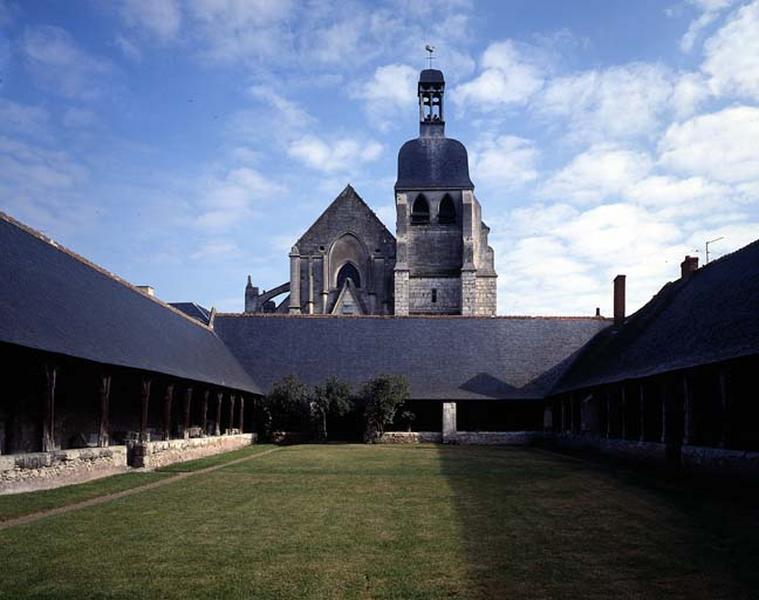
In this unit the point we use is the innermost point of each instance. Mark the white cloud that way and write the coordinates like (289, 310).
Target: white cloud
(60, 66)
(731, 56)
(722, 145)
(710, 10)
(390, 91)
(511, 74)
(689, 92)
(159, 18)
(506, 160)
(342, 154)
(21, 118)
(617, 102)
(602, 171)
(127, 47)
(671, 197)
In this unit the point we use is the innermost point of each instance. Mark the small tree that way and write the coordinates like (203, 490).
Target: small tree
(333, 399)
(288, 405)
(407, 418)
(382, 396)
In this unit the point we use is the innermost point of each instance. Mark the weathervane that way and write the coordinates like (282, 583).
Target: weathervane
(431, 49)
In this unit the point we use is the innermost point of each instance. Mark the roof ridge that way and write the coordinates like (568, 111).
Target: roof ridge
(103, 271)
(432, 317)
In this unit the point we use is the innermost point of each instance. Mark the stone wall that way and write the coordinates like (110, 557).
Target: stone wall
(488, 438)
(44, 470)
(468, 293)
(720, 460)
(401, 293)
(448, 291)
(158, 454)
(411, 437)
(487, 296)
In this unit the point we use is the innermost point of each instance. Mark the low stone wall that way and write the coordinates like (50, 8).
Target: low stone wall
(411, 437)
(488, 438)
(159, 454)
(653, 452)
(45, 470)
(719, 460)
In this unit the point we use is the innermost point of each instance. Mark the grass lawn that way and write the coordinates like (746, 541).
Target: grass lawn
(403, 522)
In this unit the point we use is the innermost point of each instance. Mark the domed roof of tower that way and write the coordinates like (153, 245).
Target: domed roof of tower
(431, 76)
(433, 163)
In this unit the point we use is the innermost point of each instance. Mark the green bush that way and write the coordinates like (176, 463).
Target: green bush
(382, 397)
(333, 399)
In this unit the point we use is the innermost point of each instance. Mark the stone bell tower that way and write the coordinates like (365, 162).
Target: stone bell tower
(443, 262)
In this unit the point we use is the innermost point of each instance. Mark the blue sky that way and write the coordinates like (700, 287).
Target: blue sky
(188, 144)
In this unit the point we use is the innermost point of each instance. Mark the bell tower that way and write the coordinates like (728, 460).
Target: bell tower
(443, 262)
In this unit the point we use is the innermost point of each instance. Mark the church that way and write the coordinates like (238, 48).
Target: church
(101, 374)
(438, 263)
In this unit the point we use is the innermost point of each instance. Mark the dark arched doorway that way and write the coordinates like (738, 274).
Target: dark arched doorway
(348, 271)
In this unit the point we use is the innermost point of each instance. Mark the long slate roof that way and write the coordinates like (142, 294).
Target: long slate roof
(455, 358)
(54, 300)
(709, 316)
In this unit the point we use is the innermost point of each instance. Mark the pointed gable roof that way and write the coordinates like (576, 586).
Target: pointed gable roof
(349, 297)
(347, 212)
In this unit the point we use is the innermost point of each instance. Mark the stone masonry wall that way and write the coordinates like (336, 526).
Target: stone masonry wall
(44, 470)
(411, 437)
(487, 438)
(486, 296)
(448, 290)
(468, 293)
(158, 454)
(401, 293)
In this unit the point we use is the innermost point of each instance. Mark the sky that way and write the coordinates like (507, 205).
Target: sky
(188, 144)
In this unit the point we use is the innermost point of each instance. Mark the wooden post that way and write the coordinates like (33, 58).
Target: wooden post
(242, 412)
(725, 433)
(144, 403)
(48, 408)
(187, 406)
(687, 413)
(204, 412)
(664, 411)
(608, 413)
(167, 399)
(642, 413)
(623, 403)
(572, 413)
(563, 417)
(217, 429)
(105, 397)
(232, 399)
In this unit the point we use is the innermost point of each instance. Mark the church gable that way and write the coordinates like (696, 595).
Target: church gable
(348, 213)
(349, 301)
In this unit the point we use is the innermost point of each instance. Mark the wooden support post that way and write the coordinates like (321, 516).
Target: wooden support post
(167, 400)
(572, 413)
(217, 428)
(104, 432)
(242, 413)
(623, 404)
(664, 411)
(204, 412)
(608, 413)
(144, 404)
(232, 399)
(48, 408)
(563, 416)
(724, 440)
(688, 424)
(187, 407)
(642, 413)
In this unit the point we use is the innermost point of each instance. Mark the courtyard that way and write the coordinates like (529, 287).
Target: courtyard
(334, 521)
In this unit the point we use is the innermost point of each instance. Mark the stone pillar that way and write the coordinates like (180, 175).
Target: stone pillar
(623, 406)
(688, 424)
(187, 407)
(232, 399)
(642, 413)
(167, 400)
(724, 440)
(310, 301)
(572, 415)
(48, 408)
(468, 292)
(295, 281)
(563, 416)
(217, 427)
(204, 413)
(104, 393)
(608, 413)
(144, 405)
(324, 294)
(401, 292)
(449, 421)
(242, 413)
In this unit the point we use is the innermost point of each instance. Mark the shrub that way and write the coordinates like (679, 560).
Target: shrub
(289, 405)
(333, 399)
(382, 397)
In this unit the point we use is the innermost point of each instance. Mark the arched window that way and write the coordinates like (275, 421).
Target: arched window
(447, 213)
(420, 213)
(348, 271)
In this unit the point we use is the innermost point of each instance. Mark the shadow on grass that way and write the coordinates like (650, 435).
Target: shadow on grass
(538, 524)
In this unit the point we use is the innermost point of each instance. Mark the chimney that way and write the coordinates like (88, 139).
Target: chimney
(598, 312)
(146, 289)
(619, 299)
(688, 266)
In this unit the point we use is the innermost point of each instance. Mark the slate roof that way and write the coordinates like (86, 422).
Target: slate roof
(433, 162)
(710, 316)
(196, 311)
(431, 76)
(53, 300)
(455, 358)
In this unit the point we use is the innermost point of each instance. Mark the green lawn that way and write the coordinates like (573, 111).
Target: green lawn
(404, 522)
